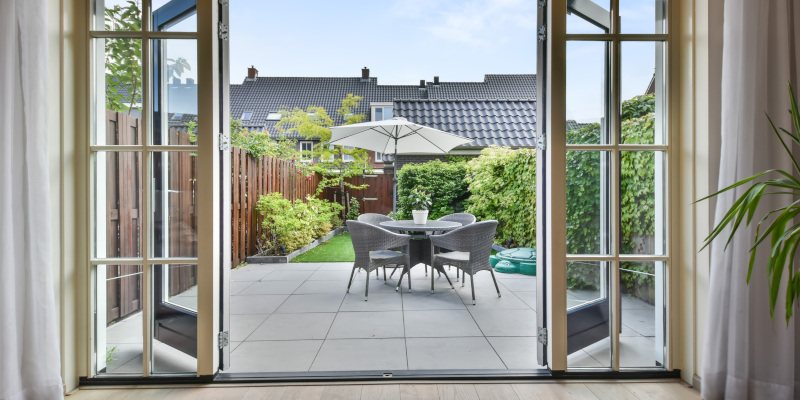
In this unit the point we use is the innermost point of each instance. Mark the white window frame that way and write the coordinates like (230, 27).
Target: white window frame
(245, 113)
(348, 157)
(381, 105)
(304, 157)
(554, 192)
(378, 157)
(210, 183)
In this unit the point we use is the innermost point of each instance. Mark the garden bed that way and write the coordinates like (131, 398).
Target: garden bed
(285, 259)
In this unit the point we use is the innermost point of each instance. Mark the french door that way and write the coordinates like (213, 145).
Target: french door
(604, 156)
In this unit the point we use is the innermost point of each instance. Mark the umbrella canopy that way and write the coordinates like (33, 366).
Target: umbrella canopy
(396, 135)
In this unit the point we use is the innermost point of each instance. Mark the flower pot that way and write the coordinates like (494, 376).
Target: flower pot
(420, 216)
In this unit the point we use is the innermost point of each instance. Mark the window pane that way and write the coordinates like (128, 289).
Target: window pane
(174, 92)
(174, 318)
(118, 15)
(641, 111)
(587, 93)
(588, 315)
(387, 112)
(118, 323)
(587, 202)
(588, 16)
(642, 16)
(379, 114)
(118, 110)
(174, 208)
(642, 211)
(641, 337)
(117, 204)
(175, 15)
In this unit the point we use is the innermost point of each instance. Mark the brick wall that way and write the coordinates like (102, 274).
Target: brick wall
(416, 159)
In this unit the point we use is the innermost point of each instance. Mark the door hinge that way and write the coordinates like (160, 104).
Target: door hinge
(223, 2)
(223, 31)
(541, 142)
(224, 142)
(542, 33)
(542, 336)
(224, 339)
(542, 3)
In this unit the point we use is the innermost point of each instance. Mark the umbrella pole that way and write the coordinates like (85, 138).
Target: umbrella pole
(394, 180)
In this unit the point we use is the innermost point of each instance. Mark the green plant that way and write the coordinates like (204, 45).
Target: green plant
(112, 355)
(289, 226)
(353, 212)
(443, 181)
(419, 199)
(779, 225)
(123, 64)
(502, 185)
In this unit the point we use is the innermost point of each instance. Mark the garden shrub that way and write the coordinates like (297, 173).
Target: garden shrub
(292, 225)
(443, 181)
(502, 186)
(354, 211)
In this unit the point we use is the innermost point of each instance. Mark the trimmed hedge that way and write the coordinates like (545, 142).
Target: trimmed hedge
(444, 181)
(292, 225)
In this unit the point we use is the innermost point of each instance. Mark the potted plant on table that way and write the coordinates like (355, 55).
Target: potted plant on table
(420, 201)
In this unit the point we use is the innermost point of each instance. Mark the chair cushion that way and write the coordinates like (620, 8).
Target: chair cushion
(453, 256)
(380, 255)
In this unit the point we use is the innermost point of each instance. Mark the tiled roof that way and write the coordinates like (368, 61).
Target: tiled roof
(486, 122)
(268, 94)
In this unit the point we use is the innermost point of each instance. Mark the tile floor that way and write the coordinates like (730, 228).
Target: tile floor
(297, 317)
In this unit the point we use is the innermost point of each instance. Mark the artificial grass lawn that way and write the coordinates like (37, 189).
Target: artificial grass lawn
(338, 249)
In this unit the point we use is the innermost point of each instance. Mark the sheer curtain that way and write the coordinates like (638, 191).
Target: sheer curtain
(29, 355)
(747, 354)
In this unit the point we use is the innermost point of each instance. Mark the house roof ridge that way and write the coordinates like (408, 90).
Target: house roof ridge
(465, 99)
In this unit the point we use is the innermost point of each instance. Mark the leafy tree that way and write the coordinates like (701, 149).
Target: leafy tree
(123, 58)
(328, 160)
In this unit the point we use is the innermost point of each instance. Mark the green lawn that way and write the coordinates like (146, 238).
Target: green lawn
(338, 249)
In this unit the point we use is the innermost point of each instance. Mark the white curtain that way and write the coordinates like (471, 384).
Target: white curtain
(30, 364)
(747, 355)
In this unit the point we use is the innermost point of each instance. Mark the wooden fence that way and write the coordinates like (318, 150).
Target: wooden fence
(375, 198)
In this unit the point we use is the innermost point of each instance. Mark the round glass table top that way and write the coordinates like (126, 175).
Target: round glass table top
(429, 226)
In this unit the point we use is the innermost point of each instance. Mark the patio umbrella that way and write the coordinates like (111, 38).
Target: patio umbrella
(396, 136)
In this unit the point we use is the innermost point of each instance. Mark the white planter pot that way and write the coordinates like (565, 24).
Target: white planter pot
(420, 216)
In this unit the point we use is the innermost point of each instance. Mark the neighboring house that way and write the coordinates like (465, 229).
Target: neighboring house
(500, 110)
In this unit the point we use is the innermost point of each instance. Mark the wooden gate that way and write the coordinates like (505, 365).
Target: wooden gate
(376, 198)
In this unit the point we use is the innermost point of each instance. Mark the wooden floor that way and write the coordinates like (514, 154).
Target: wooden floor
(521, 391)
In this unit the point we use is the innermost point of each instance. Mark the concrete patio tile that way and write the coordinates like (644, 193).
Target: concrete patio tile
(516, 352)
(452, 353)
(242, 325)
(121, 354)
(341, 276)
(291, 275)
(257, 304)
(600, 351)
(518, 285)
(628, 302)
(237, 287)
(528, 297)
(299, 267)
(440, 323)
(637, 352)
(424, 300)
(505, 322)
(367, 325)
(642, 321)
(375, 285)
(300, 303)
(129, 330)
(321, 287)
(342, 266)
(354, 301)
(361, 355)
(252, 274)
(294, 327)
(269, 286)
(490, 301)
(582, 359)
(274, 356)
(169, 360)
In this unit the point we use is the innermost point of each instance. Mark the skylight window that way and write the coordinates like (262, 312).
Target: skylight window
(177, 116)
(274, 116)
(247, 115)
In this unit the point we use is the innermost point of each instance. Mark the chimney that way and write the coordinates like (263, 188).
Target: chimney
(436, 81)
(252, 73)
(364, 74)
(422, 84)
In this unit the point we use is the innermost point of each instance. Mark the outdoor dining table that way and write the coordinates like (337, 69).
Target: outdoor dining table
(420, 247)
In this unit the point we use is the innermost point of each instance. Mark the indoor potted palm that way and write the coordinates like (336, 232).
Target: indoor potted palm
(420, 201)
(779, 225)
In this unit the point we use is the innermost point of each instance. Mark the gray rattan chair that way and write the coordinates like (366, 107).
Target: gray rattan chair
(376, 219)
(373, 218)
(373, 247)
(471, 247)
(463, 218)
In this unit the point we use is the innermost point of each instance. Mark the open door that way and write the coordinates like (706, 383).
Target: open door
(541, 186)
(224, 197)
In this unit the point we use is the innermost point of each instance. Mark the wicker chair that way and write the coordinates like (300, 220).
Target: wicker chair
(464, 218)
(373, 218)
(471, 247)
(372, 245)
